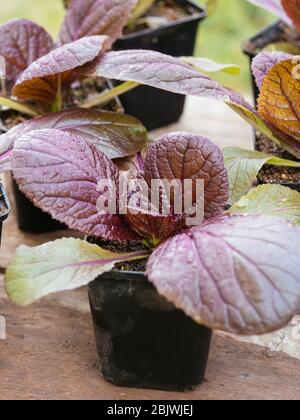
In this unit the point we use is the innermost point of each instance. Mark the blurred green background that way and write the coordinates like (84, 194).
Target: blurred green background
(219, 38)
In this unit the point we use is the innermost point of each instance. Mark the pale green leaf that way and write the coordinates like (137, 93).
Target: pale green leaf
(243, 166)
(210, 66)
(18, 106)
(57, 266)
(270, 200)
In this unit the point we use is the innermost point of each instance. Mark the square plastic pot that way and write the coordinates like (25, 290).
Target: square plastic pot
(157, 108)
(142, 340)
(4, 208)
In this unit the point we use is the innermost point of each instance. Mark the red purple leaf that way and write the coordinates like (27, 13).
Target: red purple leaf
(40, 82)
(116, 135)
(60, 173)
(240, 274)
(96, 17)
(163, 72)
(180, 157)
(22, 43)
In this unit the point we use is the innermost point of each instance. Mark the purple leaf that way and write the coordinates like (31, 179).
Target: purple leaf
(22, 43)
(264, 62)
(163, 72)
(180, 157)
(96, 17)
(184, 156)
(40, 82)
(60, 173)
(240, 274)
(114, 134)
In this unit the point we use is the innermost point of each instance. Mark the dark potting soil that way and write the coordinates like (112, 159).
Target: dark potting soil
(170, 10)
(272, 174)
(124, 247)
(77, 94)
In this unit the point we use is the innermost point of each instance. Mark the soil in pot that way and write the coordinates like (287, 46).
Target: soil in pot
(289, 177)
(177, 37)
(30, 218)
(4, 208)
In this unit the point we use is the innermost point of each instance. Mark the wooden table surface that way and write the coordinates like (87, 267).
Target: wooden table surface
(49, 352)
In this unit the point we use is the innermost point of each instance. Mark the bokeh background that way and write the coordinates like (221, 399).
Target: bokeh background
(219, 38)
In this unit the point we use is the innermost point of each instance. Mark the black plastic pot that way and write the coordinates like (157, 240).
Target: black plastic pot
(270, 35)
(4, 208)
(31, 219)
(157, 108)
(142, 340)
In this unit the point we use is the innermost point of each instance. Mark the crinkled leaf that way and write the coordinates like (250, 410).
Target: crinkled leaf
(22, 43)
(163, 72)
(60, 173)
(264, 62)
(180, 157)
(211, 66)
(96, 17)
(243, 166)
(274, 6)
(270, 200)
(292, 9)
(236, 273)
(279, 100)
(65, 264)
(40, 81)
(114, 134)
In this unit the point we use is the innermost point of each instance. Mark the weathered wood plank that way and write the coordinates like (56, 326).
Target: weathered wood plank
(49, 354)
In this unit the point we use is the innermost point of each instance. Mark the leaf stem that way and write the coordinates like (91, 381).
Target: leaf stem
(108, 95)
(18, 106)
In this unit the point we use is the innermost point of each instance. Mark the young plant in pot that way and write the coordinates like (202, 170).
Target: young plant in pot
(167, 26)
(281, 36)
(41, 78)
(157, 286)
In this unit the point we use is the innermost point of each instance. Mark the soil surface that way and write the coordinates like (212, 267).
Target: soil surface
(170, 10)
(272, 174)
(124, 247)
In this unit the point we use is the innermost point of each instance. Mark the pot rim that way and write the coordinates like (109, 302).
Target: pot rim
(247, 45)
(4, 204)
(200, 14)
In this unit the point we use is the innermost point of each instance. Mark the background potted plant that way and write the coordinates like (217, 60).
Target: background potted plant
(167, 26)
(4, 208)
(220, 273)
(27, 47)
(281, 36)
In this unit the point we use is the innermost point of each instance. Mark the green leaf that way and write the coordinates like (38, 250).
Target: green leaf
(57, 266)
(243, 166)
(270, 200)
(18, 106)
(256, 122)
(210, 66)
